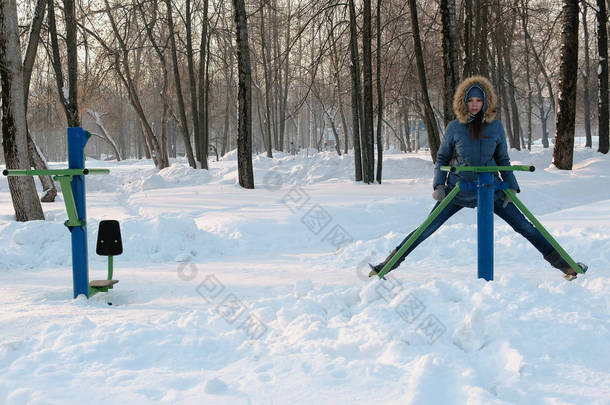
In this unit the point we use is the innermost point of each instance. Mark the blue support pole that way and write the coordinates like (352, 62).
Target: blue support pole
(77, 139)
(485, 225)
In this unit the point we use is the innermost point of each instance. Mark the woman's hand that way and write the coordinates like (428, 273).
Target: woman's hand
(507, 199)
(439, 193)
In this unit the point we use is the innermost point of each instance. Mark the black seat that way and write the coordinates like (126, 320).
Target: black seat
(109, 241)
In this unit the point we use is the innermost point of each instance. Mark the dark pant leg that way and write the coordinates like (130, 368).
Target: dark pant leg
(520, 224)
(434, 225)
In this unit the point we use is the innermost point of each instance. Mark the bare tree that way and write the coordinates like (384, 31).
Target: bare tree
(97, 117)
(357, 115)
(204, 80)
(602, 76)
(528, 69)
(69, 98)
(37, 159)
(267, 76)
(379, 99)
(123, 69)
(564, 131)
(585, 76)
(178, 84)
(368, 161)
(450, 60)
(429, 118)
(244, 96)
(14, 138)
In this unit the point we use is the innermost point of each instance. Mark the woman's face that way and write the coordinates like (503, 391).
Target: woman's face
(474, 105)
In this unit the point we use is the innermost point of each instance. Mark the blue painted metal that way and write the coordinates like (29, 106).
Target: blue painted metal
(77, 139)
(485, 225)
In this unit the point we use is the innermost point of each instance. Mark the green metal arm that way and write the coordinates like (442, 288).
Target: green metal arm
(54, 172)
(487, 169)
(64, 177)
(543, 231)
(419, 230)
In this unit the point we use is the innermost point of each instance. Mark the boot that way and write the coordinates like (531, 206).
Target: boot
(378, 267)
(555, 259)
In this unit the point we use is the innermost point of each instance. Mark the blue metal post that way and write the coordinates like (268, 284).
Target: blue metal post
(485, 225)
(77, 139)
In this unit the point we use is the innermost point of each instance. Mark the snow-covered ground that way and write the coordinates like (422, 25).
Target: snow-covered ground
(233, 296)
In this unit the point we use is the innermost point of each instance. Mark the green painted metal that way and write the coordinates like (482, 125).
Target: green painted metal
(110, 266)
(95, 290)
(66, 191)
(419, 230)
(55, 172)
(543, 231)
(487, 169)
(64, 177)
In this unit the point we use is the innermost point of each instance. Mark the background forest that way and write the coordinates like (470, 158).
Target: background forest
(155, 73)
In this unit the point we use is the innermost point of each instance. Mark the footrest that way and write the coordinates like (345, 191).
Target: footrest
(102, 283)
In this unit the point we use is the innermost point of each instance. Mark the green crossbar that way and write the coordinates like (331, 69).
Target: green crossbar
(487, 169)
(64, 177)
(419, 231)
(54, 172)
(511, 194)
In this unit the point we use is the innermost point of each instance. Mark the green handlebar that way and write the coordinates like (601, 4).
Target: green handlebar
(487, 169)
(58, 172)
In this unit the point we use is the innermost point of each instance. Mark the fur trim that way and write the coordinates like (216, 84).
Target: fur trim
(459, 108)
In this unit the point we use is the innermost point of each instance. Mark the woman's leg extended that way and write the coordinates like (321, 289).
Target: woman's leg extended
(521, 225)
(517, 220)
(434, 225)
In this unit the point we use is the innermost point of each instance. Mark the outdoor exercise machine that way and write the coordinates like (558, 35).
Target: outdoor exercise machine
(72, 182)
(485, 185)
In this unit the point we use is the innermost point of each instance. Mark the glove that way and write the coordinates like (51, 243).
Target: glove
(506, 200)
(439, 193)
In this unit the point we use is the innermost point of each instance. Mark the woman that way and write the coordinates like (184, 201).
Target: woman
(476, 138)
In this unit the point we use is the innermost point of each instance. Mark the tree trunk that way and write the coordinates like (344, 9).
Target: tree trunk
(468, 57)
(285, 80)
(516, 124)
(337, 76)
(37, 159)
(585, 77)
(543, 115)
(602, 77)
(366, 135)
(568, 76)
(429, 119)
(356, 96)
(266, 73)
(68, 101)
(39, 162)
(71, 50)
(204, 57)
(30, 53)
(450, 59)
(405, 117)
(524, 21)
(162, 158)
(379, 99)
(106, 136)
(14, 136)
(192, 80)
(177, 83)
(244, 96)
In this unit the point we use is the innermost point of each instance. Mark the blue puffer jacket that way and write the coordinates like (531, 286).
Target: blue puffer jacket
(458, 148)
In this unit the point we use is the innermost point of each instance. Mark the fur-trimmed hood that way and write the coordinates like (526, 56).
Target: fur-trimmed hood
(459, 108)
